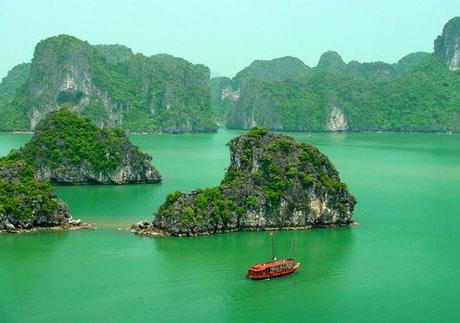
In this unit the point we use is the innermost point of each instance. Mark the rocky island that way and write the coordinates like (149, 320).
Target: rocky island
(273, 181)
(109, 84)
(70, 149)
(29, 205)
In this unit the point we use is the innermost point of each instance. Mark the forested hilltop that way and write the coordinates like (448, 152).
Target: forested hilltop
(109, 84)
(421, 92)
(273, 181)
(67, 148)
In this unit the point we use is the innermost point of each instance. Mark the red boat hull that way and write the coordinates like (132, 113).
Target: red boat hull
(273, 269)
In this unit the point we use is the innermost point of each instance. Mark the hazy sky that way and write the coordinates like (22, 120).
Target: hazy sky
(228, 35)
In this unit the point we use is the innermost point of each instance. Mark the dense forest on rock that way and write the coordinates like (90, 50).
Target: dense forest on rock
(26, 203)
(273, 182)
(70, 149)
(109, 84)
(421, 92)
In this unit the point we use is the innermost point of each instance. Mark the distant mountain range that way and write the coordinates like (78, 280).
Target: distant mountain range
(161, 93)
(419, 93)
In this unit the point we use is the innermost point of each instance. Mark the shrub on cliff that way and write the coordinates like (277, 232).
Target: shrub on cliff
(272, 181)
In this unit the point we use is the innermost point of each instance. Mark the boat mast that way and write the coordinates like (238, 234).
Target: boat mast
(272, 233)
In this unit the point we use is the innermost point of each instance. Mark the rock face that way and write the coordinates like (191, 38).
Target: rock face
(447, 45)
(70, 149)
(273, 182)
(222, 96)
(337, 120)
(26, 204)
(114, 87)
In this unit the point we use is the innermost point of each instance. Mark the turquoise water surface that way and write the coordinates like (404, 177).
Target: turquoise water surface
(400, 264)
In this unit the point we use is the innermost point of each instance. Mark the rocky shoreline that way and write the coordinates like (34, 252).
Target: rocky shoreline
(145, 228)
(73, 225)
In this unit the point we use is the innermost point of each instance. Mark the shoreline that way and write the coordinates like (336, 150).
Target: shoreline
(141, 133)
(152, 232)
(61, 228)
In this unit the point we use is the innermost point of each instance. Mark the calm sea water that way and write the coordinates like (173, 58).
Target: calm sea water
(400, 264)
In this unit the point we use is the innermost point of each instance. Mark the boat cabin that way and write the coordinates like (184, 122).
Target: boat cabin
(272, 269)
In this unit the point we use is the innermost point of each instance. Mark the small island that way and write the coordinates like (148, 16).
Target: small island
(273, 182)
(70, 149)
(29, 205)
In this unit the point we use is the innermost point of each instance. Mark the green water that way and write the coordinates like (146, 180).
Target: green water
(400, 264)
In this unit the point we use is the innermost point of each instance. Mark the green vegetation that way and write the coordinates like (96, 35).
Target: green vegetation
(21, 196)
(160, 93)
(270, 174)
(417, 94)
(208, 205)
(13, 118)
(65, 138)
(155, 90)
(220, 105)
(278, 69)
(15, 79)
(257, 132)
(114, 54)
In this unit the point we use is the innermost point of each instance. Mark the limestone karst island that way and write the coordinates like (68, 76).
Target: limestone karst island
(249, 161)
(272, 182)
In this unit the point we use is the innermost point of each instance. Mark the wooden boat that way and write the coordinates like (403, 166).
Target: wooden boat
(274, 268)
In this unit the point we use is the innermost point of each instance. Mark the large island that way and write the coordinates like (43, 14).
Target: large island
(273, 181)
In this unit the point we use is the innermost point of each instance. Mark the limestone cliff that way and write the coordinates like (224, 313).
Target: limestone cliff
(27, 204)
(273, 181)
(337, 120)
(223, 94)
(418, 93)
(114, 87)
(406, 96)
(447, 45)
(70, 149)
